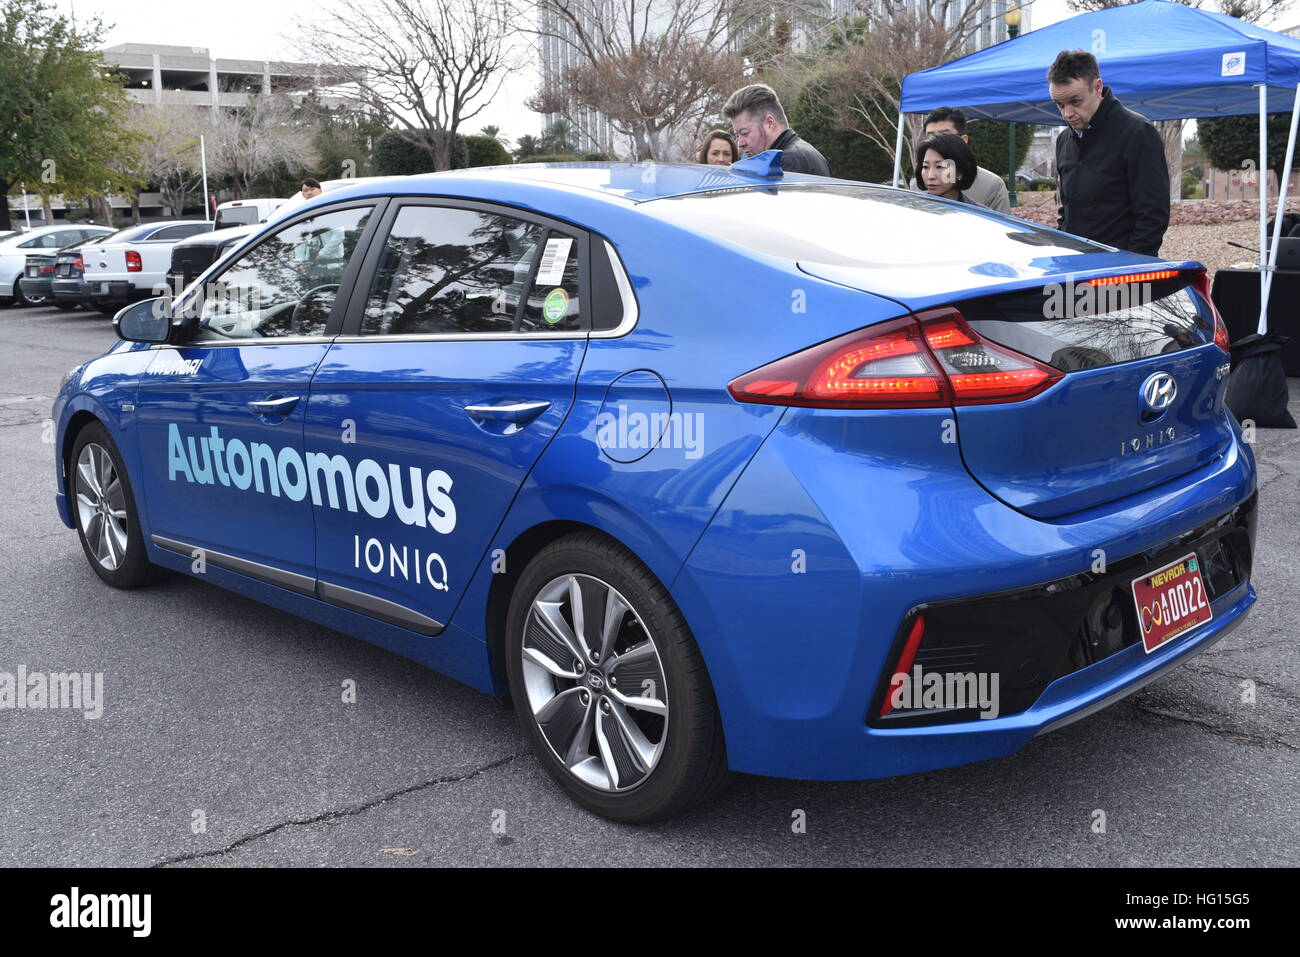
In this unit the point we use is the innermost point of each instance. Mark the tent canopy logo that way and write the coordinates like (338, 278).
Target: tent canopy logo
(1234, 64)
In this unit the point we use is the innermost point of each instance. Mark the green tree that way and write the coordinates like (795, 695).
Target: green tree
(396, 155)
(62, 119)
(1232, 142)
(527, 146)
(486, 151)
(988, 140)
(814, 117)
(345, 139)
(557, 138)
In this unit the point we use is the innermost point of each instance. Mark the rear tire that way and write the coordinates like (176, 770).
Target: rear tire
(639, 750)
(104, 511)
(24, 301)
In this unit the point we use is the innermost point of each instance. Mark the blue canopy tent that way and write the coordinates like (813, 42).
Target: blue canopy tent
(1162, 59)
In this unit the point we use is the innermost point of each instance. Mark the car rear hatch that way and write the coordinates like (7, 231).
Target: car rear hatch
(1129, 381)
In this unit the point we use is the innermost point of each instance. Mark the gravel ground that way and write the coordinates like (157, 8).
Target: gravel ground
(1203, 242)
(1209, 244)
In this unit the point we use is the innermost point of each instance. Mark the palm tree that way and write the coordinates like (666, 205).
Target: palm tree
(556, 137)
(527, 146)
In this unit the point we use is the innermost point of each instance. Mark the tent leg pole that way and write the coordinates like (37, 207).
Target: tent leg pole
(898, 151)
(1263, 201)
(1282, 187)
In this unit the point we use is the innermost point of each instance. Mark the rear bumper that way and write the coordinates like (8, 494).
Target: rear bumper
(34, 287)
(797, 591)
(67, 290)
(109, 290)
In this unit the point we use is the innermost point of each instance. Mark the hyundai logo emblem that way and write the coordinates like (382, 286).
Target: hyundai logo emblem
(1159, 392)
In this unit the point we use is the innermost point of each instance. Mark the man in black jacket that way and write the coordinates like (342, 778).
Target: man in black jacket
(759, 122)
(1111, 161)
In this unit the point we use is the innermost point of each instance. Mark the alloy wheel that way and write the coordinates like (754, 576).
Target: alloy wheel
(595, 682)
(101, 506)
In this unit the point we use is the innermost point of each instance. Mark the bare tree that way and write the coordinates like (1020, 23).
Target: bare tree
(168, 137)
(425, 66)
(656, 69)
(255, 140)
(882, 41)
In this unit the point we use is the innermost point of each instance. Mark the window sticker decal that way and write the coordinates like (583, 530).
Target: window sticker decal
(554, 261)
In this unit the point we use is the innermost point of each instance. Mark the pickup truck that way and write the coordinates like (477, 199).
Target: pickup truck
(245, 212)
(126, 266)
(191, 256)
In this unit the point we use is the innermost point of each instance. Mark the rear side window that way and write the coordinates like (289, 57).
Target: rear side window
(1078, 325)
(447, 271)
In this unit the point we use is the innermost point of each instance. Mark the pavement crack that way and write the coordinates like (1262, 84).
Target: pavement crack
(1215, 729)
(352, 811)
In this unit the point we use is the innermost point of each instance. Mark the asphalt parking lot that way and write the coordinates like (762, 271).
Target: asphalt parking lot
(224, 739)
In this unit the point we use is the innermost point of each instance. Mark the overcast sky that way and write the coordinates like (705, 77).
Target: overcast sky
(262, 30)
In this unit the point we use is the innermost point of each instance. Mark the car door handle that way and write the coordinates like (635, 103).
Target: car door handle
(281, 406)
(517, 412)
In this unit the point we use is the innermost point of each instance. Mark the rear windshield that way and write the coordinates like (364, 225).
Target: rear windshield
(128, 235)
(1078, 325)
(844, 225)
(236, 216)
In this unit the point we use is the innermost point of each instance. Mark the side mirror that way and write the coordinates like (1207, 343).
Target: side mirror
(146, 321)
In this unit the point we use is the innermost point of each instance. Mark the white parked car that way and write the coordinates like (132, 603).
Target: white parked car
(15, 247)
(127, 265)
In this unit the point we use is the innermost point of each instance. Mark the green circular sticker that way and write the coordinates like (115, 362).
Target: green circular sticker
(555, 306)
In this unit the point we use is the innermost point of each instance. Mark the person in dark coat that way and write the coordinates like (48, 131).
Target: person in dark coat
(759, 123)
(1114, 182)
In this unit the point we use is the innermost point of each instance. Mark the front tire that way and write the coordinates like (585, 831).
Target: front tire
(104, 511)
(610, 687)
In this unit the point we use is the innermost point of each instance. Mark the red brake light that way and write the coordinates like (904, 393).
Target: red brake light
(904, 664)
(885, 366)
(46, 270)
(133, 263)
(1201, 280)
(929, 360)
(1133, 277)
(79, 263)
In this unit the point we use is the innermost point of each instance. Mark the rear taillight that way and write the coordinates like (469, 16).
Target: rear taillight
(46, 270)
(79, 264)
(133, 263)
(1201, 280)
(929, 360)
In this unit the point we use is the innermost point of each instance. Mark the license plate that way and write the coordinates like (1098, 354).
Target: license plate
(1171, 601)
(103, 289)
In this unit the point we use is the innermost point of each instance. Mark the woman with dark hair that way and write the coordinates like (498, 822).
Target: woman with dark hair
(945, 166)
(719, 149)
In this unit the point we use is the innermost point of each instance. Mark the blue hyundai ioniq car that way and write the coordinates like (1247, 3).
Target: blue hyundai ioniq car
(706, 469)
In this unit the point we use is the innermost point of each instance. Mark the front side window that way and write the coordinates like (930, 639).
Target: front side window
(447, 271)
(286, 285)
